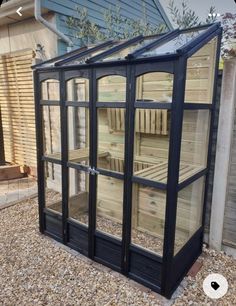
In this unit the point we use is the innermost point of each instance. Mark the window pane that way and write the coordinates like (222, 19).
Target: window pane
(172, 45)
(194, 143)
(189, 212)
(200, 74)
(109, 205)
(78, 89)
(111, 139)
(50, 90)
(148, 218)
(130, 49)
(151, 144)
(51, 131)
(112, 89)
(53, 187)
(78, 134)
(82, 60)
(79, 195)
(154, 86)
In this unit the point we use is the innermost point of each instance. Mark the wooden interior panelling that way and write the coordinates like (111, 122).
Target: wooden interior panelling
(17, 106)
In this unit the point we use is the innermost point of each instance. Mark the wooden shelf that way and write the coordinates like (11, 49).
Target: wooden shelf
(78, 155)
(158, 173)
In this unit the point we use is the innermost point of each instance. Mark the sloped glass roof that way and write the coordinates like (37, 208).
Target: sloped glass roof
(137, 48)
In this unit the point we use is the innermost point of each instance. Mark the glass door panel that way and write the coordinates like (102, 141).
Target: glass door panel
(109, 208)
(111, 139)
(78, 204)
(78, 135)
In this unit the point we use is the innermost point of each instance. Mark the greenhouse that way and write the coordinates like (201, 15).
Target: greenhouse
(124, 131)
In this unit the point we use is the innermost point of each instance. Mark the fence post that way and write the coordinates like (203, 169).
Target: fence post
(223, 149)
(2, 152)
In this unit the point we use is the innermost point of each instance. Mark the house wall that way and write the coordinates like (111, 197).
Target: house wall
(129, 9)
(27, 34)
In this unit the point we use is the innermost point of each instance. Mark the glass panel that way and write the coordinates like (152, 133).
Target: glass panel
(189, 212)
(50, 90)
(121, 54)
(83, 59)
(148, 218)
(78, 89)
(172, 45)
(151, 144)
(51, 131)
(79, 195)
(53, 186)
(112, 88)
(154, 86)
(109, 207)
(200, 74)
(111, 139)
(78, 135)
(194, 143)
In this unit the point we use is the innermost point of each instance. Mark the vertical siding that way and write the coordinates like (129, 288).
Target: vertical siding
(229, 231)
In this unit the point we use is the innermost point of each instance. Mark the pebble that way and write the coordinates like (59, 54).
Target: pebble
(36, 270)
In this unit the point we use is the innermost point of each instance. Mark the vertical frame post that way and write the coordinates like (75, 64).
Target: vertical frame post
(213, 110)
(173, 173)
(92, 161)
(129, 148)
(64, 156)
(39, 143)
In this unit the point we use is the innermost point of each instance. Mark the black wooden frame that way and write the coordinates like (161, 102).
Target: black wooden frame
(161, 274)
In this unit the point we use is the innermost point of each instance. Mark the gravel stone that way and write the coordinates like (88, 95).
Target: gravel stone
(36, 270)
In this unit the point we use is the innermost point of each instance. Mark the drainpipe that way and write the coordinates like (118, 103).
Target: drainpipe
(50, 26)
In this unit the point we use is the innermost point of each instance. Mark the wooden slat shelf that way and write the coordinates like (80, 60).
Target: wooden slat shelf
(158, 172)
(77, 155)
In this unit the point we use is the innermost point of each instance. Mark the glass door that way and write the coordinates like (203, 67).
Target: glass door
(110, 148)
(79, 170)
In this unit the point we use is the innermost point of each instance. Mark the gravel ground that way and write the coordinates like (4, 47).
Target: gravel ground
(35, 270)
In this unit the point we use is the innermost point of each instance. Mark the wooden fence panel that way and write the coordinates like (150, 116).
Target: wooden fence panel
(17, 107)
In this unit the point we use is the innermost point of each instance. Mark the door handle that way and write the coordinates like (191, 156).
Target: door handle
(93, 171)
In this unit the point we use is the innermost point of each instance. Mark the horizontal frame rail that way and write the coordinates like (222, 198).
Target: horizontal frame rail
(84, 53)
(114, 49)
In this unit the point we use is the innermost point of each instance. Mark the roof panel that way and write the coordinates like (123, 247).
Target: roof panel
(172, 45)
(121, 54)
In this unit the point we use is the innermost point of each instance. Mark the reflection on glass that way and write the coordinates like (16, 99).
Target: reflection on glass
(151, 144)
(154, 86)
(111, 139)
(53, 186)
(51, 131)
(82, 60)
(78, 195)
(189, 212)
(172, 45)
(78, 89)
(78, 134)
(200, 74)
(112, 88)
(50, 90)
(128, 50)
(148, 218)
(194, 143)
(109, 205)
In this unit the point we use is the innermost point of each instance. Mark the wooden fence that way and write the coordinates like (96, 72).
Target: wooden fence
(17, 107)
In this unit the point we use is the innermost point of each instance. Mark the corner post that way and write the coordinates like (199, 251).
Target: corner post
(180, 67)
